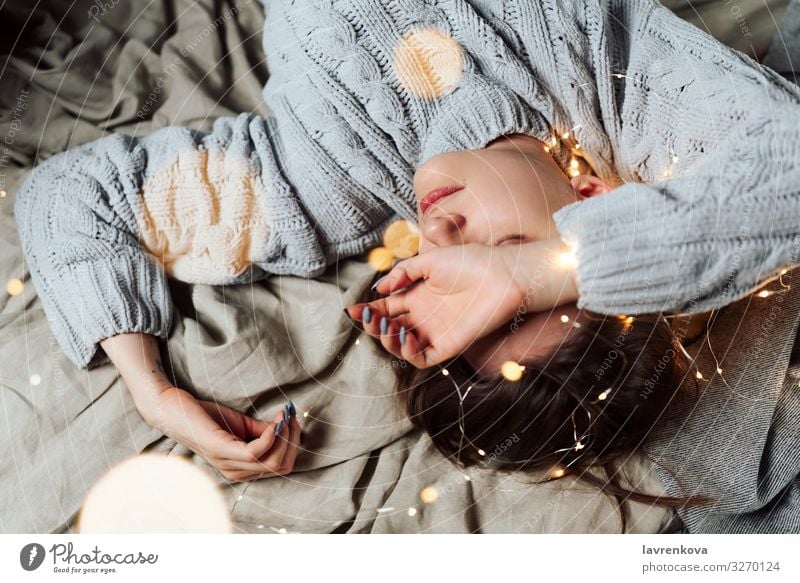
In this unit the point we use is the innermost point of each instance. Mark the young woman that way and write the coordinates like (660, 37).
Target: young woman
(377, 105)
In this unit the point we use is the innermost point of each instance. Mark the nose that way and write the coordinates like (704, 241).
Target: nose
(443, 230)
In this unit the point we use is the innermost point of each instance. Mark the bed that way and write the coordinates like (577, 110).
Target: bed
(136, 66)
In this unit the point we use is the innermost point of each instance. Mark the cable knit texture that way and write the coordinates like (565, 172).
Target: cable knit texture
(363, 91)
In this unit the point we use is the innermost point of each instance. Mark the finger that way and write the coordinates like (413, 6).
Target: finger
(293, 448)
(411, 349)
(394, 305)
(272, 459)
(390, 336)
(404, 274)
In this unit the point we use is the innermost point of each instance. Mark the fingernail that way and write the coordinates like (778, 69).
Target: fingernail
(292, 410)
(402, 335)
(366, 315)
(384, 325)
(278, 427)
(286, 414)
(376, 284)
(346, 313)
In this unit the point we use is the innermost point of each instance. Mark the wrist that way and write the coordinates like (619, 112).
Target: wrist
(546, 271)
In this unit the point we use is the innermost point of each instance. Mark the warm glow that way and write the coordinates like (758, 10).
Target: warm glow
(154, 493)
(35, 380)
(698, 374)
(567, 259)
(428, 63)
(564, 318)
(604, 395)
(764, 294)
(481, 452)
(557, 473)
(412, 511)
(445, 372)
(381, 259)
(511, 370)
(402, 239)
(14, 287)
(429, 495)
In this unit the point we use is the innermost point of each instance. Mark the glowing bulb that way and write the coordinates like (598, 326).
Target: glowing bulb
(604, 395)
(481, 452)
(358, 341)
(567, 259)
(35, 380)
(445, 372)
(3, 193)
(381, 259)
(719, 370)
(155, 493)
(578, 446)
(573, 172)
(573, 163)
(699, 375)
(557, 473)
(764, 294)
(511, 370)
(564, 318)
(547, 149)
(674, 159)
(14, 287)
(467, 478)
(282, 530)
(412, 511)
(784, 271)
(565, 135)
(577, 146)
(429, 495)
(259, 526)
(553, 141)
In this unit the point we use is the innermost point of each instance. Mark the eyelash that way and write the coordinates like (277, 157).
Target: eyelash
(518, 238)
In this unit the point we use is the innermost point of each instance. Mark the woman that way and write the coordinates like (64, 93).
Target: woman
(362, 94)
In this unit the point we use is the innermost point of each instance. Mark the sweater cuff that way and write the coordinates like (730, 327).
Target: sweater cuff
(107, 297)
(631, 258)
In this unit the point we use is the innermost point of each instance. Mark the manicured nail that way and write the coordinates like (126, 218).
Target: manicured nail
(292, 410)
(402, 335)
(278, 427)
(286, 414)
(376, 284)
(384, 325)
(366, 315)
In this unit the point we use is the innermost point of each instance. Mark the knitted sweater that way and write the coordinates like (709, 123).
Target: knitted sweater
(363, 91)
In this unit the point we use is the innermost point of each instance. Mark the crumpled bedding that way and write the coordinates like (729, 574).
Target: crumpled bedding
(133, 67)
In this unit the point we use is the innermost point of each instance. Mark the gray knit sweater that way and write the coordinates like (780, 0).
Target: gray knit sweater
(362, 91)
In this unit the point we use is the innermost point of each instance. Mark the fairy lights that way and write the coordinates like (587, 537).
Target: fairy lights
(564, 318)
(567, 259)
(35, 380)
(557, 472)
(412, 511)
(429, 495)
(14, 286)
(511, 371)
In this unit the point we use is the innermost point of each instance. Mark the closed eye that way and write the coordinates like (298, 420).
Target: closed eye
(518, 238)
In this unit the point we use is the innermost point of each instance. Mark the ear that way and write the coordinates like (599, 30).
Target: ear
(588, 186)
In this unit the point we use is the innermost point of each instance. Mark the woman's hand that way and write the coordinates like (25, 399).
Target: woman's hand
(239, 447)
(452, 296)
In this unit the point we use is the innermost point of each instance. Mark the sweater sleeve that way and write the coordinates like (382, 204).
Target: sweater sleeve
(103, 225)
(708, 143)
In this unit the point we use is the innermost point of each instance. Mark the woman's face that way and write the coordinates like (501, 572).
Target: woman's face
(503, 194)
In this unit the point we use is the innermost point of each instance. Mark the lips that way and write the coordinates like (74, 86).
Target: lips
(436, 195)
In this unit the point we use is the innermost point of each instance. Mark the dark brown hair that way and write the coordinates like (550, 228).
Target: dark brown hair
(615, 378)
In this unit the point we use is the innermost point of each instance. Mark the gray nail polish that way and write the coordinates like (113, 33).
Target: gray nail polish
(286, 414)
(402, 335)
(278, 427)
(366, 315)
(292, 410)
(384, 325)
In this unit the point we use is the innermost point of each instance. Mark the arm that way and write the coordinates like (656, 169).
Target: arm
(713, 137)
(103, 226)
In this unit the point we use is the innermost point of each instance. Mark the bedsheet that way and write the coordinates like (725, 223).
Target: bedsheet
(133, 67)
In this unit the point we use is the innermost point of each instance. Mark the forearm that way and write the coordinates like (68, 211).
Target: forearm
(138, 361)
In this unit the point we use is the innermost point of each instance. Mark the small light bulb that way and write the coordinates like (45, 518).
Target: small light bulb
(429, 495)
(565, 135)
(305, 413)
(35, 380)
(511, 370)
(604, 395)
(674, 159)
(698, 374)
(764, 294)
(481, 452)
(412, 511)
(564, 318)
(553, 141)
(557, 473)
(719, 370)
(577, 146)
(14, 286)
(567, 259)
(573, 163)
(445, 372)
(358, 341)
